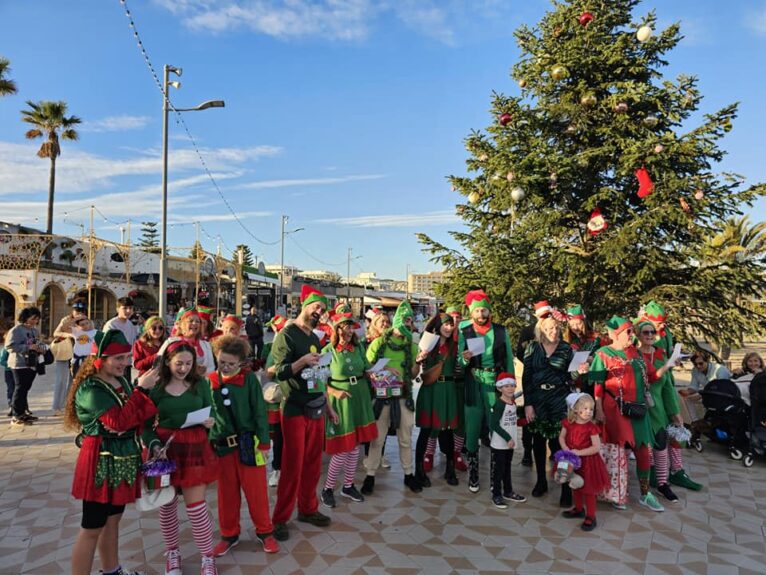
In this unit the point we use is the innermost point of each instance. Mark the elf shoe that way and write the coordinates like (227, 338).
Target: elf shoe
(681, 479)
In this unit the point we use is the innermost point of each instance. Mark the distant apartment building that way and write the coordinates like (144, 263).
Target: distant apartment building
(424, 283)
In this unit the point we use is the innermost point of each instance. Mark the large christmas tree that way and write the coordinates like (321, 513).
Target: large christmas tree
(593, 187)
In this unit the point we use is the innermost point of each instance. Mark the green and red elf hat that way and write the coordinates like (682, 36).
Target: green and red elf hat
(107, 343)
(276, 323)
(504, 378)
(341, 314)
(653, 311)
(204, 312)
(618, 324)
(543, 309)
(310, 295)
(185, 312)
(575, 312)
(235, 319)
(477, 298)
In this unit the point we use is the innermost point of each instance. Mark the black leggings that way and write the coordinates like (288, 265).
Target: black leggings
(277, 442)
(94, 515)
(500, 471)
(23, 379)
(446, 444)
(539, 448)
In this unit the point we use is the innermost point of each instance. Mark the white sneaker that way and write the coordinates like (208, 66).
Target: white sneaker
(274, 478)
(384, 462)
(208, 566)
(173, 562)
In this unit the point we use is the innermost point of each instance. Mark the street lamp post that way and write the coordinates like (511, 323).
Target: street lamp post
(164, 235)
(282, 261)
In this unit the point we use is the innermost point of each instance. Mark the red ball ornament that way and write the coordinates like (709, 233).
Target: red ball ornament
(585, 18)
(505, 119)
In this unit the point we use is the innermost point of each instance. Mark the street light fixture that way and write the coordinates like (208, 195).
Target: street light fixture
(282, 261)
(165, 109)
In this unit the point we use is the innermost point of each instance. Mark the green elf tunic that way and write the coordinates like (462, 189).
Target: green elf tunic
(663, 392)
(108, 463)
(357, 422)
(247, 406)
(546, 384)
(190, 447)
(437, 406)
(394, 348)
(614, 369)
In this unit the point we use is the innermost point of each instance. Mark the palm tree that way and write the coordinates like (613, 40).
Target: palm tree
(48, 118)
(7, 87)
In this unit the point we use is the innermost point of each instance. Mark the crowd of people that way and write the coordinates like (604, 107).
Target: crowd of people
(210, 402)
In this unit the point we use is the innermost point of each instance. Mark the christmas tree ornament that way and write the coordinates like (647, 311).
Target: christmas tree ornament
(699, 194)
(553, 180)
(483, 157)
(585, 18)
(522, 83)
(596, 223)
(571, 129)
(517, 194)
(621, 107)
(474, 197)
(454, 188)
(459, 209)
(685, 205)
(589, 100)
(645, 184)
(510, 176)
(505, 119)
(658, 149)
(557, 31)
(559, 73)
(651, 121)
(644, 33)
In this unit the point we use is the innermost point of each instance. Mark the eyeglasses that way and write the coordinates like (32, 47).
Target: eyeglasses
(649, 332)
(229, 364)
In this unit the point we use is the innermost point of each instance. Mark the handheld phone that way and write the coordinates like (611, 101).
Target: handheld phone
(157, 362)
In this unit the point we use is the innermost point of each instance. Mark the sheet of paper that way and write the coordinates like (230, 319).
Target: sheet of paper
(428, 341)
(325, 359)
(320, 334)
(475, 345)
(579, 358)
(196, 417)
(676, 354)
(379, 365)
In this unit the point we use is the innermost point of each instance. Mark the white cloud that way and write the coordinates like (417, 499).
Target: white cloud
(286, 183)
(397, 220)
(115, 124)
(426, 17)
(756, 21)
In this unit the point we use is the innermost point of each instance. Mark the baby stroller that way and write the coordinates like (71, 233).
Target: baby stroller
(727, 416)
(757, 419)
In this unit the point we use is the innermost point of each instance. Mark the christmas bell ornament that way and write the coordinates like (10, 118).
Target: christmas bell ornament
(510, 176)
(517, 194)
(644, 33)
(589, 100)
(559, 73)
(621, 107)
(596, 223)
(585, 18)
(505, 119)
(699, 194)
(474, 197)
(645, 184)
(659, 148)
(651, 121)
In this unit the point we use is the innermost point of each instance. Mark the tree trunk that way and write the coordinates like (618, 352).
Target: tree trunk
(51, 187)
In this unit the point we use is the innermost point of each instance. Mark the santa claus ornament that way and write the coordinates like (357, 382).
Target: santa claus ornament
(596, 223)
(645, 184)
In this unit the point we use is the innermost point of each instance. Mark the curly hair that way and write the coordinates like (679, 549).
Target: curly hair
(71, 421)
(231, 345)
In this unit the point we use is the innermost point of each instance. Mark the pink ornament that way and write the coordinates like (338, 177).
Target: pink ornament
(699, 194)
(658, 148)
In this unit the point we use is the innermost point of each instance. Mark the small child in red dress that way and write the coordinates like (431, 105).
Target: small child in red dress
(581, 436)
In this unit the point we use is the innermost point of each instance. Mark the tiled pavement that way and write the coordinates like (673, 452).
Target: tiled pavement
(718, 531)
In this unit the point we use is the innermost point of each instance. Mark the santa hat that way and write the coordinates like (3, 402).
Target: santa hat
(575, 312)
(310, 295)
(276, 323)
(106, 343)
(477, 298)
(618, 324)
(505, 378)
(543, 309)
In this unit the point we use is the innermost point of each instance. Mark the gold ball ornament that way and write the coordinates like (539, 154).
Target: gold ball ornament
(474, 197)
(483, 157)
(522, 83)
(651, 121)
(589, 100)
(644, 33)
(698, 195)
(510, 176)
(559, 73)
(517, 194)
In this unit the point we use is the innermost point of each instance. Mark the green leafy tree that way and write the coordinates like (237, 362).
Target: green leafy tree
(150, 238)
(593, 109)
(48, 119)
(247, 255)
(7, 86)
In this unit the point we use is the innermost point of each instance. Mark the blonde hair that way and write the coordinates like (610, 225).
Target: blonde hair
(375, 330)
(539, 335)
(572, 413)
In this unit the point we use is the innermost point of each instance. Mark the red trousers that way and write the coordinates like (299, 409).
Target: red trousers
(301, 466)
(233, 476)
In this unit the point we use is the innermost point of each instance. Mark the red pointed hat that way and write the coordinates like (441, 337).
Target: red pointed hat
(477, 298)
(310, 295)
(543, 309)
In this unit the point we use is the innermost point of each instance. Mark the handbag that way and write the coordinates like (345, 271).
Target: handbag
(48, 357)
(152, 499)
(629, 409)
(62, 348)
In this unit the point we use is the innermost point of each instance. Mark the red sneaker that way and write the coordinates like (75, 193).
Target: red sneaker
(460, 464)
(270, 544)
(224, 545)
(428, 463)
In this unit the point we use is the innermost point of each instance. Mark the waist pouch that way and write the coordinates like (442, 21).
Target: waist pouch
(249, 454)
(314, 409)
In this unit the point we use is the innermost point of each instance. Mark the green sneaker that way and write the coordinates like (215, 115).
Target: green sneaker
(650, 501)
(681, 479)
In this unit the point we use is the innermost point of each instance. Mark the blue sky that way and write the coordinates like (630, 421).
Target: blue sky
(344, 114)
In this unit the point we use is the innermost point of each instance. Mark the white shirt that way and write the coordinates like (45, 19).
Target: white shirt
(508, 424)
(126, 326)
(83, 341)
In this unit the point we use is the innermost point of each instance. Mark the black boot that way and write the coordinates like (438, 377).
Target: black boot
(412, 482)
(421, 476)
(369, 485)
(473, 472)
(526, 459)
(565, 500)
(449, 473)
(540, 488)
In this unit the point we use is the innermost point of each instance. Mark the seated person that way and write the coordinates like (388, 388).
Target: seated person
(752, 364)
(705, 371)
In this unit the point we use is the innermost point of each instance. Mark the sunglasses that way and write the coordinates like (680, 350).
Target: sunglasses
(158, 327)
(649, 332)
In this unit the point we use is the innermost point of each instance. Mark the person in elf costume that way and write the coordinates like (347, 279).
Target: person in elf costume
(230, 325)
(109, 411)
(206, 318)
(296, 355)
(480, 373)
(348, 393)
(273, 396)
(579, 335)
(189, 325)
(395, 412)
(240, 436)
(620, 375)
(180, 391)
(437, 405)
(656, 314)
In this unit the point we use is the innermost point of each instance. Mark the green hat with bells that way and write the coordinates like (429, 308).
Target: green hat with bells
(402, 313)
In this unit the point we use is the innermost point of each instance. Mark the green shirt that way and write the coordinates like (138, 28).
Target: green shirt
(395, 352)
(290, 345)
(487, 358)
(172, 409)
(247, 405)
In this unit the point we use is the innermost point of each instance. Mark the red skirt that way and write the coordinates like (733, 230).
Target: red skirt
(196, 462)
(84, 482)
(594, 474)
